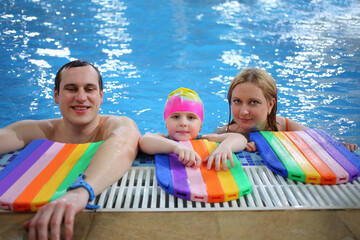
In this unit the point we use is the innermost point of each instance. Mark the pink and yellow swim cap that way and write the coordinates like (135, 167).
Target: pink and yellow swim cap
(184, 100)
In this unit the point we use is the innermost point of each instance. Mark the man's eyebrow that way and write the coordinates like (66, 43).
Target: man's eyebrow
(91, 85)
(70, 85)
(75, 85)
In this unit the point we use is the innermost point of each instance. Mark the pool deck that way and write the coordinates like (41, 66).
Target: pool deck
(277, 224)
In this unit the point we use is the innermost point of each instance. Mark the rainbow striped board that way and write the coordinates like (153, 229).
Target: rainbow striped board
(200, 184)
(42, 172)
(310, 156)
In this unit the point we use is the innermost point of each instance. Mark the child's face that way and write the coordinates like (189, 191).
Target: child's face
(249, 106)
(183, 126)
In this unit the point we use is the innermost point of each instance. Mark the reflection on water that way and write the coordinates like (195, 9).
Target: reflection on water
(146, 49)
(311, 50)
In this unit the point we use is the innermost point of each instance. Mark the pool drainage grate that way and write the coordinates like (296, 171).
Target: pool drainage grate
(138, 191)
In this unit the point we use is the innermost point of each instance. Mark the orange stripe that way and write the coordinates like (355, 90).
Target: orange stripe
(327, 176)
(22, 203)
(50, 187)
(311, 175)
(211, 179)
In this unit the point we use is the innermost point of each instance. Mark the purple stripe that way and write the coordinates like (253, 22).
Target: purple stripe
(339, 158)
(20, 157)
(179, 177)
(346, 152)
(14, 175)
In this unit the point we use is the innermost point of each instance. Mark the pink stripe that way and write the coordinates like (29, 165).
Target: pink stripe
(20, 185)
(341, 175)
(196, 182)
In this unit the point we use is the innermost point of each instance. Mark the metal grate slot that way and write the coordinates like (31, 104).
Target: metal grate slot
(138, 191)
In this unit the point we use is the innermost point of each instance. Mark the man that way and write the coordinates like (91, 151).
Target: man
(79, 93)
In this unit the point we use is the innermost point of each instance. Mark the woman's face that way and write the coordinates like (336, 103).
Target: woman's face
(249, 107)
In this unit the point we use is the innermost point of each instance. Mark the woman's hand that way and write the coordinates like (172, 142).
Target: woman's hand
(250, 147)
(351, 146)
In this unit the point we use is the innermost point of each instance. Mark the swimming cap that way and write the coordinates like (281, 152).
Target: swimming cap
(184, 100)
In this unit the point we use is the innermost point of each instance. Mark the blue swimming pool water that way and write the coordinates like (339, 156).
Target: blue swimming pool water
(146, 48)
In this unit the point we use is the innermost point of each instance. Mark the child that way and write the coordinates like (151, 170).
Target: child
(183, 115)
(252, 98)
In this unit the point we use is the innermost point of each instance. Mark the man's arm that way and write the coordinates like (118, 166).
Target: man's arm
(115, 155)
(19, 134)
(111, 161)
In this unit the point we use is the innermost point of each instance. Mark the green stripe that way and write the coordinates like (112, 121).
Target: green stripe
(240, 177)
(79, 168)
(294, 171)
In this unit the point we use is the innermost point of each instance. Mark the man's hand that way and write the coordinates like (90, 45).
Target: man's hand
(53, 214)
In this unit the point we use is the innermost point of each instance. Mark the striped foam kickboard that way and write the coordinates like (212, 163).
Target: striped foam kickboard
(200, 184)
(310, 156)
(42, 172)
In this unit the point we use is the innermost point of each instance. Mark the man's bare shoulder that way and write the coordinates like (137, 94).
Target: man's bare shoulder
(118, 120)
(17, 135)
(33, 125)
(117, 124)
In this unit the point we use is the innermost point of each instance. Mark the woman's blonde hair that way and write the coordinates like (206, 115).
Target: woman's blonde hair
(265, 82)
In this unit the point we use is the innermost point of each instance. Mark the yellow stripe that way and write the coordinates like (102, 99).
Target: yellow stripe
(227, 180)
(211, 146)
(311, 175)
(55, 181)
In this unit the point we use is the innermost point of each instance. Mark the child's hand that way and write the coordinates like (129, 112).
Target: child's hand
(220, 155)
(351, 146)
(187, 156)
(250, 147)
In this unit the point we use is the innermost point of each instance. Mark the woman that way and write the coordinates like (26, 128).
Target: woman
(252, 100)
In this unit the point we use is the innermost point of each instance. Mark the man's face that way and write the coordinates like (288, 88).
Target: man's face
(79, 95)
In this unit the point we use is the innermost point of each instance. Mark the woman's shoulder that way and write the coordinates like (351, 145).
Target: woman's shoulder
(222, 129)
(286, 124)
(281, 123)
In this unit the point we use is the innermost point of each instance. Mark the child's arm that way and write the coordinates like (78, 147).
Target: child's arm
(156, 143)
(230, 143)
